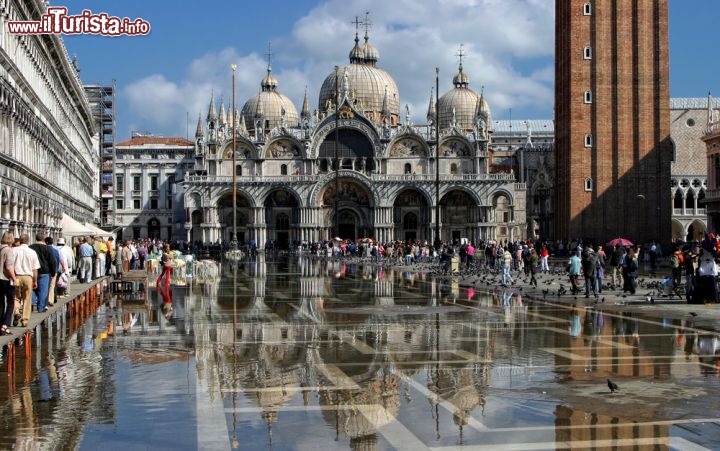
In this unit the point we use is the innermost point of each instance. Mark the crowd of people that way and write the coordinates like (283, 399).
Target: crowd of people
(35, 275)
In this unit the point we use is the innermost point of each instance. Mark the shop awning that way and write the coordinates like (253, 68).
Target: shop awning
(71, 227)
(97, 231)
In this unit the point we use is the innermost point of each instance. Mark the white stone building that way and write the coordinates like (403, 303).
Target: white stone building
(689, 119)
(147, 201)
(48, 158)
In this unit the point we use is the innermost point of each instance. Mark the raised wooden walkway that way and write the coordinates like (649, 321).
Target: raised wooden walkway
(80, 296)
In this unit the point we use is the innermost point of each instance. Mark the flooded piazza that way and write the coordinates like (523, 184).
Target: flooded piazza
(299, 353)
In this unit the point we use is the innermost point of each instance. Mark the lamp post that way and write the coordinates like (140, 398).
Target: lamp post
(233, 241)
(337, 163)
(437, 158)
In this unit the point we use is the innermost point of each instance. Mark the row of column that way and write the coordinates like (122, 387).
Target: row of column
(309, 228)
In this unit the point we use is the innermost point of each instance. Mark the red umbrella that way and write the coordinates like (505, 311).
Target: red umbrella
(624, 242)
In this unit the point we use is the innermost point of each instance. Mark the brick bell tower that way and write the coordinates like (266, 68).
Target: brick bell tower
(612, 120)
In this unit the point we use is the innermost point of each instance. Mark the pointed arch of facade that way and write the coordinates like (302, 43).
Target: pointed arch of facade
(283, 147)
(493, 196)
(241, 195)
(357, 122)
(279, 188)
(456, 145)
(245, 149)
(316, 194)
(399, 190)
(407, 145)
(449, 189)
(193, 200)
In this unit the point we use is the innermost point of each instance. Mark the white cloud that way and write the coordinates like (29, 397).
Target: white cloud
(509, 47)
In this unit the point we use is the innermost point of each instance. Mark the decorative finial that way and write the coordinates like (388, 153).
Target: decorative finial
(367, 24)
(269, 57)
(357, 23)
(460, 55)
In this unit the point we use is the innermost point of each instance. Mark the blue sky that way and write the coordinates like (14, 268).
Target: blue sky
(168, 76)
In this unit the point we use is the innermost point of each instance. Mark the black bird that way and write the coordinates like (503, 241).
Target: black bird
(692, 313)
(612, 386)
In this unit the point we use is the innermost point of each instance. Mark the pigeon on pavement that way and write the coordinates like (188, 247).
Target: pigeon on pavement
(612, 386)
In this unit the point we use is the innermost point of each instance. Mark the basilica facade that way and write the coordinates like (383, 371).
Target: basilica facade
(355, 166)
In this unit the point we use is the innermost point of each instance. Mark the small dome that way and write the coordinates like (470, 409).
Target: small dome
(357, 55)
(372, 55)
(462, 103)
(269, 82)
(461, 79)
(269, 105)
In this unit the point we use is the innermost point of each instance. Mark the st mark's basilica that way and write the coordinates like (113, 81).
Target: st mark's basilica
(357, 167)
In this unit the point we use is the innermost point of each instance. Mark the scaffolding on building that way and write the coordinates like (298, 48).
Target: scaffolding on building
(102, 102)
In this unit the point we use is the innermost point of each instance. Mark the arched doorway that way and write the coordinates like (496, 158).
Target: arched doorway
(347, 223)
(153, 227)
(243, 222)
(696, 231)
(347, 209)
(458, 213)
(196, 219)
(281, 216)
(504, 217)
(411, 216)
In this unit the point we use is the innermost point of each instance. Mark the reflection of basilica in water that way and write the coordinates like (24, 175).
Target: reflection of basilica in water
(311, 351)
(364, 348)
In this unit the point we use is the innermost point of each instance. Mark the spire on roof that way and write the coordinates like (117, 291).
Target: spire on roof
(305, 112)
(242, 128)
(385, 111)
(222, 120)
(199, 130)
(431, 112)
(212, 111)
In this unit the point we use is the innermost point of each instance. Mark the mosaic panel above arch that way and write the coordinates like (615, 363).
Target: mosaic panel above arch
(407, 148)
(455, 147)
(282, 149)
(347, 190)
(244, 150)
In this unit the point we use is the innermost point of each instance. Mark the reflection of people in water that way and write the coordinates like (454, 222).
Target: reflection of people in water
(166, 267)
(575, 326)
(166, 296)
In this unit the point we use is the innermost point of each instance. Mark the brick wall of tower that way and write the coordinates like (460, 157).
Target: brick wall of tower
(628, 120)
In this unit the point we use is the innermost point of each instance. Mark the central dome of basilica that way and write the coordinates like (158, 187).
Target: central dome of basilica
(370, 88)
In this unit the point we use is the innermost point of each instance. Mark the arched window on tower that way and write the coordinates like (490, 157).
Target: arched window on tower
(408, 168)
(588, 184)
(587, 9)
(238, 171)
(453, 168)
(283, 169)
